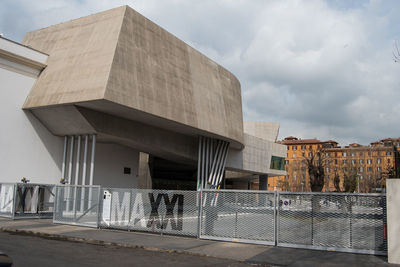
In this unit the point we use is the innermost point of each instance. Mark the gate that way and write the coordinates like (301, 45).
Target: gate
(240, 216)
(332, 221)
(77, 205)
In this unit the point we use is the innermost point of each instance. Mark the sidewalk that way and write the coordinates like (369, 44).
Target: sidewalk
(257, 254)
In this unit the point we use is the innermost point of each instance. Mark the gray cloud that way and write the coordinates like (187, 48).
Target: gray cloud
(321, 68)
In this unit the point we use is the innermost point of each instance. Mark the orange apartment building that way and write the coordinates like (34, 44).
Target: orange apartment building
(371, 163)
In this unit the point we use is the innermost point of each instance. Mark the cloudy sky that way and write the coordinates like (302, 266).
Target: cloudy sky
(321, 69)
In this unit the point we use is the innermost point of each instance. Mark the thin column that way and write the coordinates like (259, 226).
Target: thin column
(92, 169)
(64, 157)
(78, 158)
(84, 172)
(71, 157)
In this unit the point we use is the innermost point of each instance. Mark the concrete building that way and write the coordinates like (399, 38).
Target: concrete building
(113, 99)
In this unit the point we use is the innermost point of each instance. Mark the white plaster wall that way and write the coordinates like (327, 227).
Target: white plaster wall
(393, 219)
(27, 148)
(109, 166)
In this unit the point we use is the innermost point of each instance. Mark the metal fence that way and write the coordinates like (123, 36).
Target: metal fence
(160, 211)
(77, 205)
(332, 221)
(7, 206)
(23, 200)
(245, 216)
(34, 200)
(328, 221)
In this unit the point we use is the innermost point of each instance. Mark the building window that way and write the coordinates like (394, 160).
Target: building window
(327, 169)
(294, 155)
(379, 161)
(310, 154)
(344, 154)
(303, 154)
(353, 161)
(369, 153)
(294, 148)
(336, 161)
(286, 162)
(303, 147)
(361, 169)
(277, 163)
(361, 161)
(379, 169)
(310, 147)
(388, 161)
(344, 161)
(345, 169)
(369, 161)
(327, 154)
(388, 153)
(353, 154)
(369, 169)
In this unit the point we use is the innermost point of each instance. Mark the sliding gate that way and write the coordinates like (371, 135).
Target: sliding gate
(240, 216)
(324, 221)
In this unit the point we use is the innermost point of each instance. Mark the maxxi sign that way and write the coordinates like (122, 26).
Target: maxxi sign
(143, 210)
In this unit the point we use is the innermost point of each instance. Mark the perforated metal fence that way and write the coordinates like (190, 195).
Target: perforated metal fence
(332, 221)
(245, 216)
(77, 205)
(7, 206)
(34, 200)
(160, 211)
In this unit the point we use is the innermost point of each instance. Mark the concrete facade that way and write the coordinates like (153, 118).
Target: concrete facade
(393, 219)
(121, 63)
(136, 91)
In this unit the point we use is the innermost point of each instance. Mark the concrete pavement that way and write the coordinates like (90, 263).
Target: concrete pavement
(249, 253)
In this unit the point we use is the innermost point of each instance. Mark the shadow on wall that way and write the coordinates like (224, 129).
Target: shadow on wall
(52, 143)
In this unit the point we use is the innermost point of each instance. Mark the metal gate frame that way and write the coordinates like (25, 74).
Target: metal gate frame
(236, 239)
(331, 248)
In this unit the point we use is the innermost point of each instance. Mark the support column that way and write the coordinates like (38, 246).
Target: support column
(92, 169)
(84, 172)
(64, 158)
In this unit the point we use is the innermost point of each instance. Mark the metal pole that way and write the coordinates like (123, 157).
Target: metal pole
(71, 158)
(92, 160)
(92, 169)
(84, 172)
(64, 157)
(78, 158)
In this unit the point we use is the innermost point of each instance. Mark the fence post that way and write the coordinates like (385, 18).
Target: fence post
(100, 200)
(55, 209)
(14, 208)
(351, 220)
(312, 219)
(199, 212)
(276, 218)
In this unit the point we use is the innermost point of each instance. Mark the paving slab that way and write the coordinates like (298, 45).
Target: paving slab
(250, 253)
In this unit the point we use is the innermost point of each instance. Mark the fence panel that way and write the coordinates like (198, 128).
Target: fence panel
(7, 193)
(34, 200)
(232, 215)
(77, 205)
(332, 221)
(160, 211)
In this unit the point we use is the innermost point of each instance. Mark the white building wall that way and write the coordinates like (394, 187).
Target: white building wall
(109, 166)
(27, 148)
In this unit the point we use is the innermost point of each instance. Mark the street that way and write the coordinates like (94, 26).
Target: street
(35, 251)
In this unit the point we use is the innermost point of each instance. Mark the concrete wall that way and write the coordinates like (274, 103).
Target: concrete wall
(28, 149)
(121, 63)
(393, 219)
(109, 166)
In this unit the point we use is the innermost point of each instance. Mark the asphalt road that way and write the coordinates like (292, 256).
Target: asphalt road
(35, 251)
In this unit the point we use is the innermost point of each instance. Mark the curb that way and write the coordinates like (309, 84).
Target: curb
(98, 242)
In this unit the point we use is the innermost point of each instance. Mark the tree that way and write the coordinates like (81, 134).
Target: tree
(350, 180)
(336, 182)
(315, 167)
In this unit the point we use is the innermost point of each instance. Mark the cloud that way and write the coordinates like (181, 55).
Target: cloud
(321, 68)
